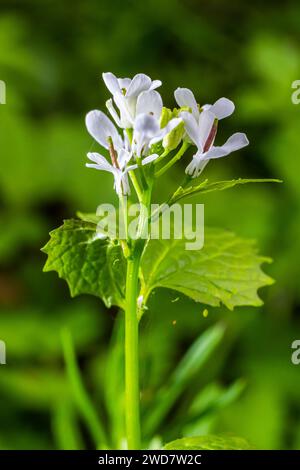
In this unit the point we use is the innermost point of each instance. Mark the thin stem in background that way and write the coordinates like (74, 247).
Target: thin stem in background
(81, 397)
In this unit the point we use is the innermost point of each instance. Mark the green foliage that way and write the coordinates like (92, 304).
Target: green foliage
(189, 366)
(89, 264)
(42, 178)
(79, 393)
(206, 187)
(209, 443)
(226, 270)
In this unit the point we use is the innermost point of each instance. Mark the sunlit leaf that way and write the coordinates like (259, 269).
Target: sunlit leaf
(226, 270)
(206, 187)
(89, 264)
(210, 442)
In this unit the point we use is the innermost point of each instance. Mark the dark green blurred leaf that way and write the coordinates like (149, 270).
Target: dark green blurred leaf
(189, 366)
(44, 327)
(113, 383)
(79, 393)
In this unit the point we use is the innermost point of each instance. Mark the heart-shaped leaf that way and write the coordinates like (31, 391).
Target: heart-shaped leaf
(226, 270)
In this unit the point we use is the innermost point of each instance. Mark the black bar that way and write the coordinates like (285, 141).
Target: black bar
(132, 459)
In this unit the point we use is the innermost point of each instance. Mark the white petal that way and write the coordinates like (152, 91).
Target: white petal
(102, 163)
(126, 117)
(127, 144)
(123, 158)
(124, 83)
(147, 125)
(235, 142)
(185, 97)
(113, 112)
(206, 121)
(145, 161)
(196, 166)
(149, 102)
(166, 130)
(149, 159)
(139, 83)
(131, 167)
(111, 82)
(222, 108)
(171, 125)
(125, 186)
(101, 128)
(155, 84)
(192, 129)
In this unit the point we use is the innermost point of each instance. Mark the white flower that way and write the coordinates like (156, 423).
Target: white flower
(222, 108)
(120, 172)
(125, 95)
(105, 133)
(102, 129)
(201, 128)
(146, 126)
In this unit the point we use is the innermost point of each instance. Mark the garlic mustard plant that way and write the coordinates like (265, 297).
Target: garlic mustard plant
(141, 141)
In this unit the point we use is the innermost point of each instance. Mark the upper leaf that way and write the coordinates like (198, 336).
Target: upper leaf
(89, 264)
(226, 270)
(206, 187)
(210, 442)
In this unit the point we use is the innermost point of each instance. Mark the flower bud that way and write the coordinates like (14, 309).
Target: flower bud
(173, 139)
(165, 117)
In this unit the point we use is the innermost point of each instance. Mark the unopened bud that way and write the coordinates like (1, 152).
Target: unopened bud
(173, 139)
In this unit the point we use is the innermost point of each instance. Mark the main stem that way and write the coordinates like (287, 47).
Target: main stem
(132, 392)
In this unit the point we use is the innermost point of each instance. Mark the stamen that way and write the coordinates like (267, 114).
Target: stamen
(112, 153)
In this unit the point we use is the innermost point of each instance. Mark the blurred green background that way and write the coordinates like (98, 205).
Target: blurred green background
(52, 57)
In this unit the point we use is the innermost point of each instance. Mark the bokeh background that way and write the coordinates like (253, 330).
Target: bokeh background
(52, 57)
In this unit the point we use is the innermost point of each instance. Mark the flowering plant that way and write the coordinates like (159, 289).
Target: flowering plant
(145, 140)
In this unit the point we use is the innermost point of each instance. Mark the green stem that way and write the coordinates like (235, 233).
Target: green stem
(132, 391)
(162, 156)
(132, 388)
(181, 151)
(136, 185)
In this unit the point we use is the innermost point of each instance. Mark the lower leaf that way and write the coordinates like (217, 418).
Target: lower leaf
(90, 264)
(210, 442)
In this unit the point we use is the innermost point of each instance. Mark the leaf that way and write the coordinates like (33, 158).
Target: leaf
(206, 187)
(226, 270)
(65, 426)
(36, 388)
(88, 217)
(81, 398)
(207, 404)
(190, 365)
(214, 397)
(113, 383)
(210, 442)
(89, 264)
(81, 318)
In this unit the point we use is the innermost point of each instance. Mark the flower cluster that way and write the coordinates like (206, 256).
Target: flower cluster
(151, 133)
